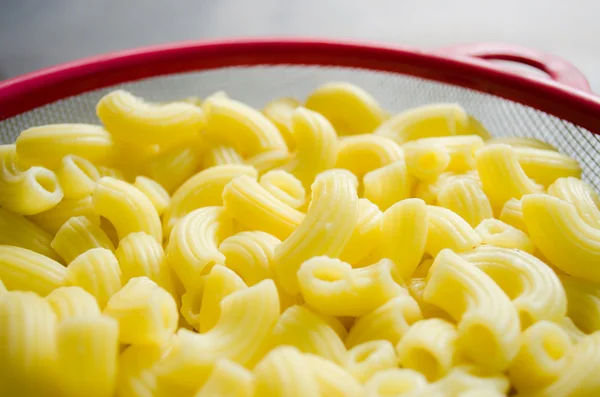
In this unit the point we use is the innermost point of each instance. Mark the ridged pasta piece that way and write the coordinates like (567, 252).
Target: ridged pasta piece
(581, 195)
(78, 235)
(245, 128)
(426, 160)
(285, 187)
(546, 166)
(512, 214)
(257, 209)
(332, 378)
(325, 230)
(18, 231)
(416, 287)
(446, 229)
(146, 313)
(279, 111)
(26, 270)
(70, 302)
(53, 219)
(250, 254)
(395, 382)
(502, 176)
(429, 190)
(96, 271)
(133, 158)
(540, 358)
(333, 287)
(366, 152)
(366, 233)
(131, 119)
(87, 356)
(222, 155)
(27, 343)
(465, 378)
(488, 323)
(348, 107)
(202, 190)
(267, 161)
(192, 356)
(174, 166)
(46, 145)
(574, 333)
(429, 347)
(521, 142)
(534, 288)
(461, 149)
(157, 194)
(368, 358)
(126, 207)
(300, 327)
(465, 197)
(194, 243)
(134, 378)
(499, 234)
(228, 379)
(316, 145)
(562, 236)
(583, 299)
(388, 185)
(404, 231)
(389, 321)
(77, 176)
(285, 372)
(26, 191)
(191, 304)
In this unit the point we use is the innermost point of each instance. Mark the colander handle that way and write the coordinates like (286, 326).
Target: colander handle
(555, 67)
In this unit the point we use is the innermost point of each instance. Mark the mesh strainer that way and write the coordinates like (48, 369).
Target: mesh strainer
(558, 108)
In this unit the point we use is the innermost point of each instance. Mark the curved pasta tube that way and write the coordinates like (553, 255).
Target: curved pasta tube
(245, 128)
(157, 194)
(368, 358)
(18, 231)
(257, 209)
(228, 379)
(26, 270)
(28, 344)
(499, 234)
(395, 382)
(404, 231)
(267, 161)
(521, 142)
(285, 372)
(134, 378)
(466, 198)
(285, 187)
(535, 289)
(334, 208)
(389, 321)
(194, 243)
(583, 300)
(316, 145)
(299, 327)
(366, 233)
(338, 325)
(465, 378)
(416, 287)
(461, 149)
(562, 236)
(77, 176)
(250, 254)
(192, 356)
(46, 145)
(221, 155)
(429, 347)
(429, 190)
(96, 271)
(53, 219)
(512, 214)
(366, 152)
(546, 166)
(333, 379)
(202, 190)
(146, 313)
(333, 287)
(87, 350)
(446, 229)
(279, 111)
(582, 196)
(488, 323)
(70, 302)
(388, 185)
(426, 161)
(126, 207)
(574, 333)
(132, 119)
(540, 358)
(174, 166)
(502, 176)
(77, 236)
(218, 284)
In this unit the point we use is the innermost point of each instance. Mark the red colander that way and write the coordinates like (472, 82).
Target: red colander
(558, 108)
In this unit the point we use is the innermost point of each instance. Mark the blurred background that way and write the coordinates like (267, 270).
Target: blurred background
(39, 33)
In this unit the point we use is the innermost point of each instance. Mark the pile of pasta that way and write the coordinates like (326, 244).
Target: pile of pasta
(206, 248)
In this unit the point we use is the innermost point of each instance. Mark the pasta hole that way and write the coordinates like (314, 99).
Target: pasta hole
(428, 160)
(423, 361)
(46, 181)
(479, 340)
(395, 387)
(496, 228)
(364, 354)
(329, 274)
(554, 346)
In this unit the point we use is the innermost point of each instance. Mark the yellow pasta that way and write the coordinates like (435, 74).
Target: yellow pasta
(18, 231)
(574, 333)
(425, 160)
(429, 190)
(77, 236)
(110, 171)
(228, 379)
(26, 270)
(134, 378)
(466, 378)
(3, 289)
(488, 323)
(562, 236)
(461, 149)
(583, 299)
(499, 234)
(521, 142)
(46, 145)
(581, 195)
(395, 382)
(334, 207)
(368, 358)
(174, 166)
(279, 111)
(416, 288)
(96, 271)
(446, 229)
(465, 197)
(348, 107)
(267, 161)
(221, 155)
(388, 185)
(68, 302)
(77, 177)
(333, 379)
(285, 187)
(512, 214)
(338, 324)
(157, 194)
(366, 152)
(546, 166)
(53, 219)
(366, 233)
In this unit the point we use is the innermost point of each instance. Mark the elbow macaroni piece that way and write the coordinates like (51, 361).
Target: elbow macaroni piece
(512, 214)
(468, 377)
(446, 229)
(499, 234)
(366, 233)
(488, 323)
(68, 302)
(465, 197)
(228, 379)
(396, 382)
(157, 194)
(77, 177)
(77, 236)
(388, 185)
(285, 187)
(461, 150)
(583, 300)
(268, 161)
(333, 379)
(368, 358)
(521, 142)
(279, 111)
(18, 231)
(546, 166)
(426, 160)
(367, 152)
(222, 155)
(174, 166)
(582, 196)
(53, 219)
